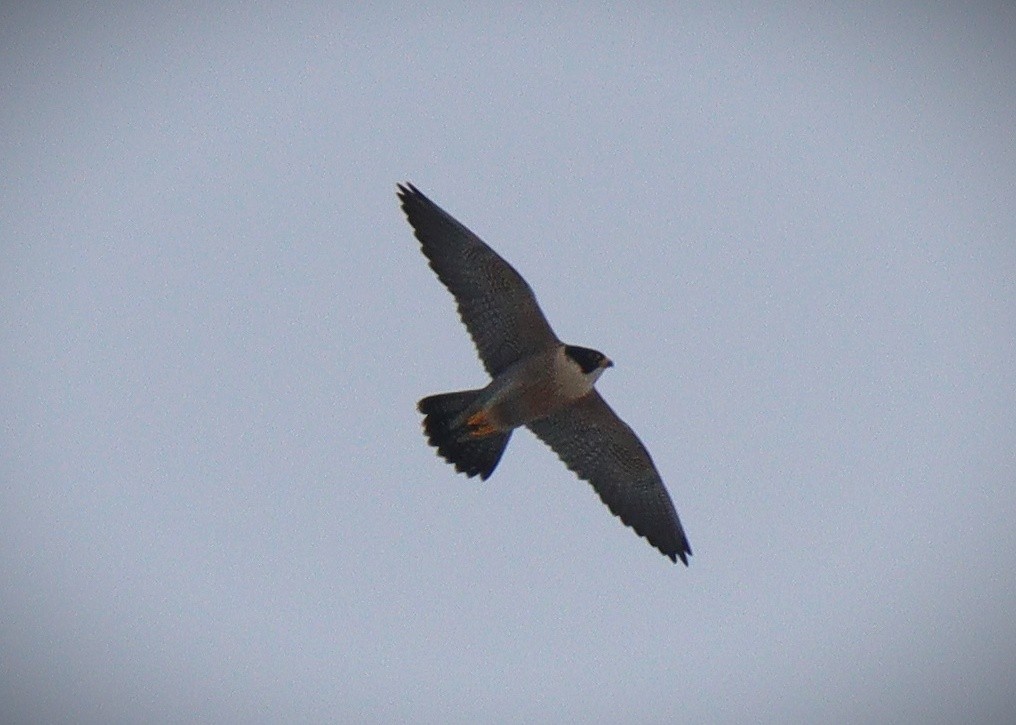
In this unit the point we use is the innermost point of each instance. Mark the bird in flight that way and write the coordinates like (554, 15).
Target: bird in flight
(537, 381)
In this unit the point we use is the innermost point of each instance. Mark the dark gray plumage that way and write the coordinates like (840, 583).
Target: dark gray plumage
(496, 305)
(537, 381)
(600, 448)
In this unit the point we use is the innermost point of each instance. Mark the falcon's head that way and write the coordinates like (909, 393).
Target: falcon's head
(590, 362)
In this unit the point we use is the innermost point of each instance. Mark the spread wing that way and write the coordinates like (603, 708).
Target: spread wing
(495, 303)
(599, 447)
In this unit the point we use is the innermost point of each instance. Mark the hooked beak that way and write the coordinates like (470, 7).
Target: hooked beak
(608, 363)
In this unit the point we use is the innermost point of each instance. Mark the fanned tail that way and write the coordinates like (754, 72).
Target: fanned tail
(472, 456)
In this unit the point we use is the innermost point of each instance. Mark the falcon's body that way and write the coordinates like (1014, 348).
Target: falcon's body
(537, 381)
(532, 388)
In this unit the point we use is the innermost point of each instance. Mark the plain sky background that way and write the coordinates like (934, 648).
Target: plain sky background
(793, 228)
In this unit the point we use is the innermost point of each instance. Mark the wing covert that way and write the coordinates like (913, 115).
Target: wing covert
(495, 303)
(600, 448)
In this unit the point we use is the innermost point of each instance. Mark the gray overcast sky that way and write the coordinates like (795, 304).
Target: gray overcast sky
(794, 231)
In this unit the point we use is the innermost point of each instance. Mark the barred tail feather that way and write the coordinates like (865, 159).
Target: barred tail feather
(472, 456)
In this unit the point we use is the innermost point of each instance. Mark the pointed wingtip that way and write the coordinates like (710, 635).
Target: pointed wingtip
(684, 553)
(407, 189)
(681, 554)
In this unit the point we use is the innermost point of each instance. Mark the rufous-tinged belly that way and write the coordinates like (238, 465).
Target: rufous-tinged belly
(531, 403)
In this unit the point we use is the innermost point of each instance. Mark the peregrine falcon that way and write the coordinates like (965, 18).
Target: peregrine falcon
(537, 381)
